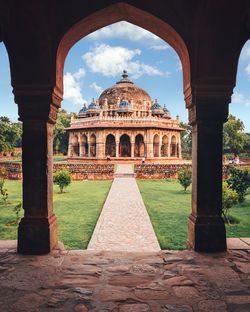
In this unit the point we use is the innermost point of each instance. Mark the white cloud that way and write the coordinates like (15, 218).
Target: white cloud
(245, 52)
(72, 87)
(239, 98)
(159, 47)
(179, 65)
(123, 30)
(111, 61)
(247, 69)
(98, 89)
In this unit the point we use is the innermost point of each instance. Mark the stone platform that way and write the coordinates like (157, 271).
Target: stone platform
(167, 281)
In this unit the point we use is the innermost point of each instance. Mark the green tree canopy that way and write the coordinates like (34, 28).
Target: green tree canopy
(10, 134)
(186, 136)
(61, 136)
(234, 138)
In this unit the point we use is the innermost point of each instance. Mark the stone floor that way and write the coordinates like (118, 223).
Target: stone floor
(124, 224)
(173, 281)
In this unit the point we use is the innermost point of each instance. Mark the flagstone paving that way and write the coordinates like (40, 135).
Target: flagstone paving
(124, 224)
(164, 281)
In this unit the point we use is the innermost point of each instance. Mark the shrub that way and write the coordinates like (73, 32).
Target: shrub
(62, 179)
(3, 191)
(239, 180)
(185, 177)
(229, 199)
(17, 210)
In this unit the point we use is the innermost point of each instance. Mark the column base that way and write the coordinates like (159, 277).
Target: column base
(37, 236)
(206, 233)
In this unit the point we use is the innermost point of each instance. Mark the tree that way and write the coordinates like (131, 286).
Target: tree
(229, 199)
(62, 179)
(185, 177)
(61, 136)
(10, 134)
(234, 138)
(186, 136)
(239, 180)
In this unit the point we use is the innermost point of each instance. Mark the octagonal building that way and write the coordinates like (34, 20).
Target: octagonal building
(124, 124)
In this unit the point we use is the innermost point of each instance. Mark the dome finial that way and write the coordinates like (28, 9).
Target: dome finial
(125, 74)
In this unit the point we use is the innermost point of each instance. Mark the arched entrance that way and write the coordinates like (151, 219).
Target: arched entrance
(139, 146)
(164, 147)
(110, 146)
(156, 145)
(173, 147)
(125, 146)
(84, 148)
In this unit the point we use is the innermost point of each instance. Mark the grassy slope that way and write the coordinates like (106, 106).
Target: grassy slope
(168, 207)
(77, 211)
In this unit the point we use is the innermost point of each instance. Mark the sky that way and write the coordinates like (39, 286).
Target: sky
(96, 62)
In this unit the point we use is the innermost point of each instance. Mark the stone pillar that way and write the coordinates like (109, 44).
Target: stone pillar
(37, 107)
(180, 151)
(168, 149)
(206, 229)
(81, 149)
(100, 145)
(160, 144)
(149, 145)
(132, 148)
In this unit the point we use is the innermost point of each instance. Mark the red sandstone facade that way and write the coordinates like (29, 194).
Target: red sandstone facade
(124, 124)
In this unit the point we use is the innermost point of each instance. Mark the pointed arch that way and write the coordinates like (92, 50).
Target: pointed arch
(116, 13)
(110, 145)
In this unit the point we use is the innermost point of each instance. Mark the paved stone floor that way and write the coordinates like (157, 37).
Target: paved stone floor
(124, 224)
(167, 281)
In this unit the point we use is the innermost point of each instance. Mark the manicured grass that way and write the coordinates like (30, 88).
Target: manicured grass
(169, 207)
(77, 211)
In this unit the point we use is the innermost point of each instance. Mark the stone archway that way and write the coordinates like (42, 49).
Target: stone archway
(84, 147)
(139, 146)
(125, 146)
(173, 147)
(164, 147)
(110, 146)
(207, 97)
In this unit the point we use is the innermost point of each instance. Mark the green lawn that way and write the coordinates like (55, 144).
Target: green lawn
(77, 211)
(169, 207)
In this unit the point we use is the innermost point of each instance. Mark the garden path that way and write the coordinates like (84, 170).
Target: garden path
(124, 224)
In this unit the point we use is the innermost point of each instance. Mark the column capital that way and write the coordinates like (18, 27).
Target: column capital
(207, 101)
(37, 102)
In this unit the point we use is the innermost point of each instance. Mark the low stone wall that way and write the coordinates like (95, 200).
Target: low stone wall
(13, 171)
(87, 171)
(158, 171)
(169, 171)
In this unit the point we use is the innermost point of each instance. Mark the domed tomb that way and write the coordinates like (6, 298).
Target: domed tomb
(125, 91)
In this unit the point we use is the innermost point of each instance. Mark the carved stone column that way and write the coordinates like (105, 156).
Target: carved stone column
(149, 145)
(206, 229)
(117, 143)
(132, 148)
(160, 144)
(37, 107)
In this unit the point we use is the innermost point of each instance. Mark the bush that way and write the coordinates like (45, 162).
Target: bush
(3, 191)
(62, 179)
(229, 199)
(185, 177)
(239, 180)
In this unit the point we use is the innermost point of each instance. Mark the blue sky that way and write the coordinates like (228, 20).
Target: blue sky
(96, 62)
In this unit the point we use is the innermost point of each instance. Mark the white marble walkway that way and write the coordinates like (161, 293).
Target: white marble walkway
(124, 224)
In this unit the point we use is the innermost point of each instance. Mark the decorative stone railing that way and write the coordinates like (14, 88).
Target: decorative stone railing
(99, 121)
